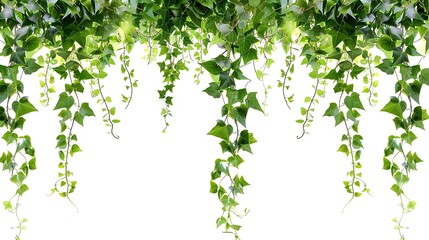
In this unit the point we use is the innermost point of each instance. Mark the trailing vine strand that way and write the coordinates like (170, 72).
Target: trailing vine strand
(346, 46)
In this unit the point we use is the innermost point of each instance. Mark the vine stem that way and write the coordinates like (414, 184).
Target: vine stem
(66, 163)
(308, 110)
(285, 77)
(349, 138)
(108, 110)
(46, 83)
(128, 74)
(370, 84)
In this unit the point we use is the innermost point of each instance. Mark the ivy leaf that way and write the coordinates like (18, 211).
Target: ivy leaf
(65, 101)
(212, 67)
(22, 107)
(221, 130)
(386, 43)
(220, 221)
(253, 102)
(424, 75)
(395, 107)
(344, 149)
(386, 164)
(212, 90)
(397, 189)
(332, 110)
(245, 47)
(31, 66)
(74, 149)
(213, 187)
(345, 65)
(32, 43)
(240, 113)
(254, 3)
(85, 110)
(339, 118)
(353, 101)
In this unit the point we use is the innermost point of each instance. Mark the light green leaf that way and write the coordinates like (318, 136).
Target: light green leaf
(254, 3)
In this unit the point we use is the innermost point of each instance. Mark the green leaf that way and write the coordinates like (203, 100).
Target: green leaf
(32, 43)
(74, 149)
(85, 110)
(353, 101)
(22, 107)
(235, 161)
(213, 187)
(22, 189)
(253, 102)
(8, 205)
(386, 43)
(395, 107)
(221, 130)
(254, 3)
(212, 67)
(65, 101)
(397, 189)
(31, 66)
(343, 148)
(220, 221)
(332, 110)
(240, 114)
(386, 164)
(424, 75)
(10, 137)
(411, 205)
(32, 164)
(339, 118)
(345, 65)
(212, 90)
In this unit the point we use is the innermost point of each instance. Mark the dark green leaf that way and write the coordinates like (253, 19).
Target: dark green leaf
(32, 43)
(212, 67)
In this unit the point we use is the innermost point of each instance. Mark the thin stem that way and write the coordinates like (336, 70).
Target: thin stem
(124, 62)
(108, 110)
(286, 75)
(307, 117)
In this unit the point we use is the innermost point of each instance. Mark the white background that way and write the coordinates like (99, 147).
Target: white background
(153, 186)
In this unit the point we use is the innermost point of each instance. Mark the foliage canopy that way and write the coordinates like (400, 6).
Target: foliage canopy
(344, 44)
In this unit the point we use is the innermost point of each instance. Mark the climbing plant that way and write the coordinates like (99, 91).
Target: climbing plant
(345, 45)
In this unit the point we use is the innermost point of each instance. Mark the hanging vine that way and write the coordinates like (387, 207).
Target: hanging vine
(346, 45)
